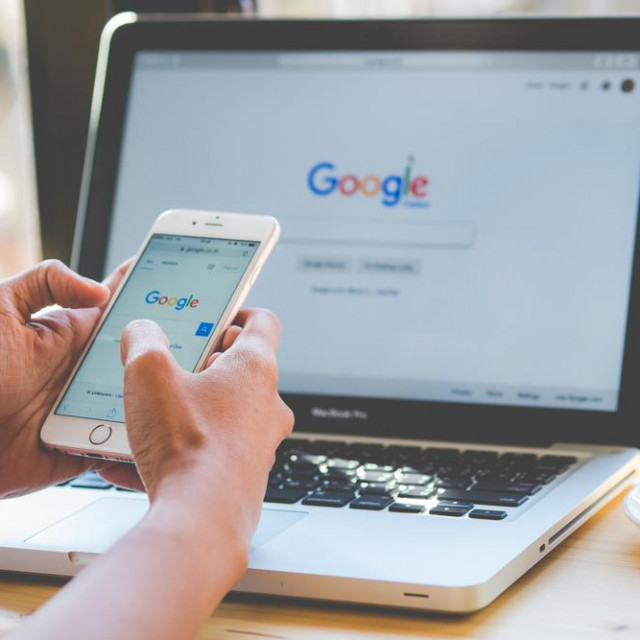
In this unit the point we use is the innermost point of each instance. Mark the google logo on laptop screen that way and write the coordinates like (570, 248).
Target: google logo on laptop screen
(407, 188)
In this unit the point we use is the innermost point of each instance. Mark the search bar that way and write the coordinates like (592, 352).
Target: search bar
(454, 234)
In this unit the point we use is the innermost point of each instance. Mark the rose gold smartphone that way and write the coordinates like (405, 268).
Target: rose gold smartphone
(191, 275)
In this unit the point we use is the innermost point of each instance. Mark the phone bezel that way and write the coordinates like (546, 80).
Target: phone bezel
(71, 434)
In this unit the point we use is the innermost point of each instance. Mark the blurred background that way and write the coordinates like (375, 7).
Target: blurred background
(44, 113)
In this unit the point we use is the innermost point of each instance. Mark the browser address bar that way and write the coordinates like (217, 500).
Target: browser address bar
(407, 60)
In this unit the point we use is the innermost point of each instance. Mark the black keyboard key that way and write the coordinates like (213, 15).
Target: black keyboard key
(376, 476)
(428, 468)
(310, 474)
(293, 443)
(305, 485)
(487, 514)
(453, 483)
(365, 452)
(535, 478)
(557, 461)
(305, 461)
(328, 499)
(457, 503)
(371, 503)
(378, 468)
(405, 507)
(398, 455)
(417, 493)
(478, 458)
(418, 479)
(338, 485)
(284, 496)
(400, 450)
(90, 481)
(548, 470)
(436, 453)
(304, 476)
(449, 510)
(485, 497)
(507, 487)
(457, 472)
(501, 475)
(341, 463)
(329, 448)
(341, 474)
(377, 488)
(409, 469)
(518, 461)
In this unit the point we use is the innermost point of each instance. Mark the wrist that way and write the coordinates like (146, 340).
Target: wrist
(211, 531)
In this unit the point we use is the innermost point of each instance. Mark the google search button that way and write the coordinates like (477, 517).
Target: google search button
(204, 329)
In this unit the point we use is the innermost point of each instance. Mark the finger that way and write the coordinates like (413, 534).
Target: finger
(113, 280)
(123, 475)
(52, 282)
(230, 336)
(212, 358)
(141, 338)
(257, 339)
(260, 329)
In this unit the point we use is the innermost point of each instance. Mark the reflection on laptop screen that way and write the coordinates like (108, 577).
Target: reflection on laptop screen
(457, 227)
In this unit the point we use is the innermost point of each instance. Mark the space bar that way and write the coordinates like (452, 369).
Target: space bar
(485, 497)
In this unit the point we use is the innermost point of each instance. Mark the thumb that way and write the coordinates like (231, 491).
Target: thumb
(149, 377)
(144, 340)
(51, 282)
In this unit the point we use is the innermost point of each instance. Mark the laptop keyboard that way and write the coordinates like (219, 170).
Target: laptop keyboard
(442, 481)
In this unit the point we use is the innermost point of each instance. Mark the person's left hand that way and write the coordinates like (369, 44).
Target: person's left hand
(37, 354)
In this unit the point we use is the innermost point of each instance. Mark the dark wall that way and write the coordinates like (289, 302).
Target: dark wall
(62, 41)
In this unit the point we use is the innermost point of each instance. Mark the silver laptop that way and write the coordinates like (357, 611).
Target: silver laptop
(456, 279)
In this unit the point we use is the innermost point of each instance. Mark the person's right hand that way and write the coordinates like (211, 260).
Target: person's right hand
(204, 444)
(205, 441)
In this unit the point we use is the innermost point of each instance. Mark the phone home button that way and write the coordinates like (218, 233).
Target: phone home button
(100, 434)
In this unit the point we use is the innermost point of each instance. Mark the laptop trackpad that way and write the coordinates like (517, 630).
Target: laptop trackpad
(94, 528)
(99, 525)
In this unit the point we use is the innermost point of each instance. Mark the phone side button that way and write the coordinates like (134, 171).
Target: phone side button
(100, 434)
(254, 277)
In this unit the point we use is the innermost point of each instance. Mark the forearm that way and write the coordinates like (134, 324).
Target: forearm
(161, 581)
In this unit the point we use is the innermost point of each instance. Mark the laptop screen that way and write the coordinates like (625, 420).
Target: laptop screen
(456, 226)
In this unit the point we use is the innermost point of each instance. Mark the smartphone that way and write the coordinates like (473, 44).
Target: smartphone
(191, 275)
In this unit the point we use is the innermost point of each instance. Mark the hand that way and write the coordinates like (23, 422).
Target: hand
(205, 442)
(38, 353)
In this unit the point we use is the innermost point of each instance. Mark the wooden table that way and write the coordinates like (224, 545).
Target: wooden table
(588, 588)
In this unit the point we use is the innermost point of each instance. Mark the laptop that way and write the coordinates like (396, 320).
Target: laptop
(457, 281)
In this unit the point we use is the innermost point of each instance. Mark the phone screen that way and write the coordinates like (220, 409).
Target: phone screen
(183, 283)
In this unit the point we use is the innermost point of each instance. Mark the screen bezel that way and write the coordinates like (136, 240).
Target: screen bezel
(386, 417)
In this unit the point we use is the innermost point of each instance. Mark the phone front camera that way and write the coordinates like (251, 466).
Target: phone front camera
(193, 222)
